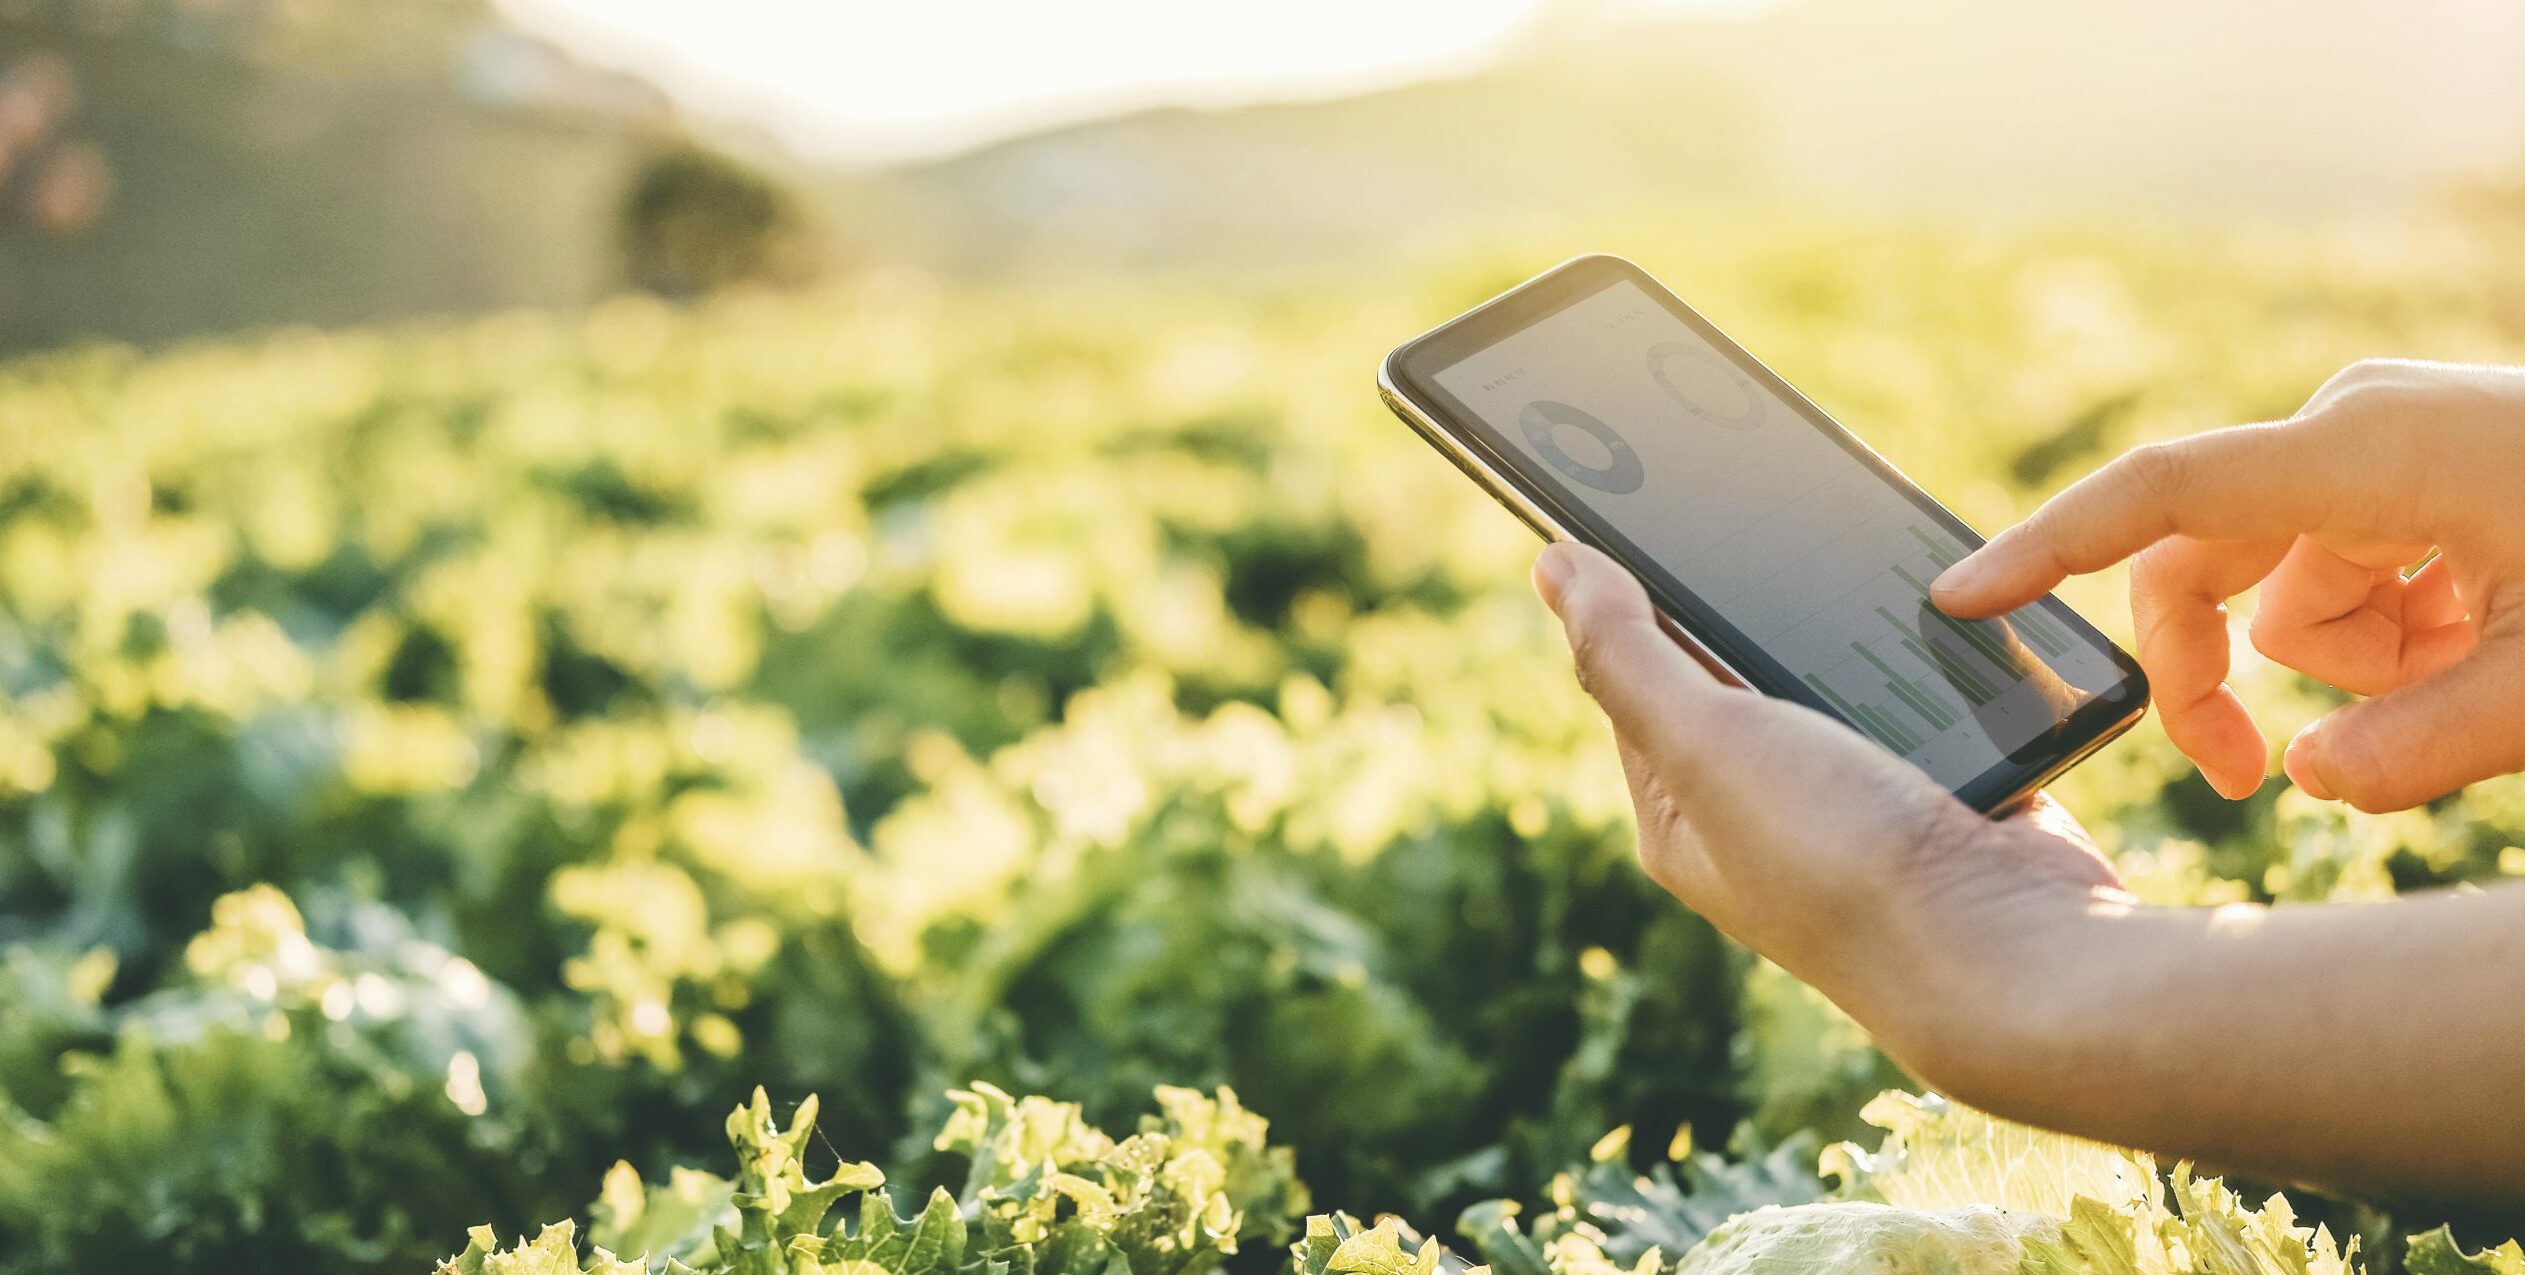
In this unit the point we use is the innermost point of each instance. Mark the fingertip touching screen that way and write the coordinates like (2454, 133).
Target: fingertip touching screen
(1805, 551)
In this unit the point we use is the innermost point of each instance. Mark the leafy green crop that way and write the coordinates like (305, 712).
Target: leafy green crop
(2436, 1253)
(1605, 1215)
(1945, 1190)
(1950, 1189)
(1045, 1194)
(439, 764)
(555, 1251)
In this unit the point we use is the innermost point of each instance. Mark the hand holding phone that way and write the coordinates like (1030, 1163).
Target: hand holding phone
(1997, 959)
(1721, 537)
(1776, 547)
(1814, 846)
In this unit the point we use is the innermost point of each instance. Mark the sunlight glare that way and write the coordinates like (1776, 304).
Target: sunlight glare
(861, 80)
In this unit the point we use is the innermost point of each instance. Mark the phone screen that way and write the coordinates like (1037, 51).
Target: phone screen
(1780, 526)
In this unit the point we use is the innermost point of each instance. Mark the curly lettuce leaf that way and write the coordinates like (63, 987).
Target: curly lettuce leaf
(2078, 1207)
(1198, 1178)
(1938, 1155)
(678, 1220)
(2436, 1253)
(1853, 1235)
(1607, 1215)
(553, 1252)
(1335, 1244)
(2218, 1235)
(1048, 1194)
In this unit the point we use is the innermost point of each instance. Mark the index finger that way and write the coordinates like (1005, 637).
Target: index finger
(2247, 482)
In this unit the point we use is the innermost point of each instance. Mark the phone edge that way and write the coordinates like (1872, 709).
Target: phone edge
(1534, 516)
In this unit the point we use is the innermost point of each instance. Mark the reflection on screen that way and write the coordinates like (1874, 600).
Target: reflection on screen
(1777, 527)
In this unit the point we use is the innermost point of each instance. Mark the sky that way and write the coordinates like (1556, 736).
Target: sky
(871, 80)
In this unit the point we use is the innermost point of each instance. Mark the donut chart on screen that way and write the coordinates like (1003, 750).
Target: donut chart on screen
(1706, 385)
(1619, 474)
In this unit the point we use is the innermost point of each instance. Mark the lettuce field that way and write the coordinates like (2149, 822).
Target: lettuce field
(1088, 792)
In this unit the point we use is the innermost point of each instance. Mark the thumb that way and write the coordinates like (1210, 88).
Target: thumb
(2461, 725)
(1693, 731)
(1625, 660)
(1738, 767)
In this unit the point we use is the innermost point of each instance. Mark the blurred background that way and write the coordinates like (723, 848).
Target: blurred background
(180, 166)
(561, 560)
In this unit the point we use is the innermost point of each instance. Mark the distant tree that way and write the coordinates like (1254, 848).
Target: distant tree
(695, 221)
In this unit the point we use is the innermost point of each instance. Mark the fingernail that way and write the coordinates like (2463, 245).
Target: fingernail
(2300, 763)
(1553, 569)
(2236, 787)
(1961, 577)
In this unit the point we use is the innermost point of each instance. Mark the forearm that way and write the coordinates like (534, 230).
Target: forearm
(2381, 1045)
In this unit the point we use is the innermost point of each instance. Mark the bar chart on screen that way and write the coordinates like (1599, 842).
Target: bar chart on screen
(1918, 672)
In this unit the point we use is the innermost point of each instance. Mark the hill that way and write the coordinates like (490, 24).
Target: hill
(1964, 110)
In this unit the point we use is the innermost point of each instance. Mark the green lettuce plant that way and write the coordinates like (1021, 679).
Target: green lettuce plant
(1045, 1194)
(875, 691)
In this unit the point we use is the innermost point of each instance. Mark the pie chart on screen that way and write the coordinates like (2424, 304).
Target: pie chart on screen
(1582, 447)
(1706, 385)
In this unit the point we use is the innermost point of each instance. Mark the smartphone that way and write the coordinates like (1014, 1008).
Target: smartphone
(1783, 553)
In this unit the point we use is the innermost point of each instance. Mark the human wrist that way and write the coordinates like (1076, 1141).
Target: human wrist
(2001, 990)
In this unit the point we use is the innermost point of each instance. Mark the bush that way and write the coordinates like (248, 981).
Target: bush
(695, 221)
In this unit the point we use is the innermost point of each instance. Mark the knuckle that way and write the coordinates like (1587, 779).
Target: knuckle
(1663, 838)
(2367, 370)
(2354, 397)
(1600, 630)
(1586, 650)
(2389, 433)
(2159, 561)
(2158, 471)
(2274, 640)
(2157, 579)
(2365, 374)
(2040, 536)
(1586, 682)
(2362, 398)
(2355, 406)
